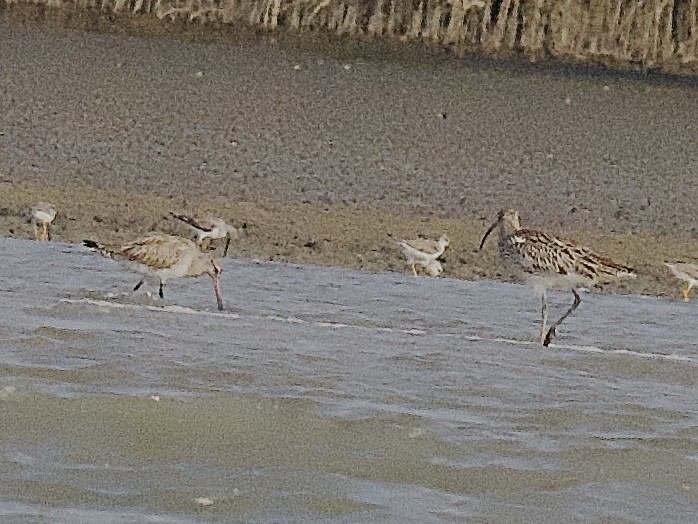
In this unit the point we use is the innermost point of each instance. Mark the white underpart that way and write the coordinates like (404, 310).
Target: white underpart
(540, 283)
(434, 268)
(178, 270)
(43, 216)
(215, 232)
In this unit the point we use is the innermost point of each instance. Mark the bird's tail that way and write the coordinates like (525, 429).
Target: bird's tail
(96, 246)
(622, 271)
(606, 266)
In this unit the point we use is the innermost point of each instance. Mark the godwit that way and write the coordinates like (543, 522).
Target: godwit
(213, 228)
(425, 253)
(686, 272)
(549, 262)
(43, 214)
(164, 257)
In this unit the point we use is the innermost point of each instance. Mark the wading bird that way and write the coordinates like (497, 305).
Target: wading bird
(547, 262)
(164, 257)
(43, 214)
(686, 272)
(425, 253)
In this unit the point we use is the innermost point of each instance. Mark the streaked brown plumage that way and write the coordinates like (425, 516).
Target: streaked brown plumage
(164, 257)
(547, 262)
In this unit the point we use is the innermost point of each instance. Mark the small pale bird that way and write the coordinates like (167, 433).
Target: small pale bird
(43, 214)
(684, 271)
(164, 257)
(434, 268)
(211, 228)
(547, 262)
(425, 253)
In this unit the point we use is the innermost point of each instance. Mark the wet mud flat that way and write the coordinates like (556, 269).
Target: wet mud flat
(329, 155)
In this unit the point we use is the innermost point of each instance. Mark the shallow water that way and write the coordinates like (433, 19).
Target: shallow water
(327, 395)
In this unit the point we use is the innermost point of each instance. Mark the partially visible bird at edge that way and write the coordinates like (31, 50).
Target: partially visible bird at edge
(687, 272)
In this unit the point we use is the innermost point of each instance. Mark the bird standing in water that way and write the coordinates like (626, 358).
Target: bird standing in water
(164, 257)
(547, 262)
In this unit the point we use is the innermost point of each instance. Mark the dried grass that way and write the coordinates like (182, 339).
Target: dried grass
(649, 33)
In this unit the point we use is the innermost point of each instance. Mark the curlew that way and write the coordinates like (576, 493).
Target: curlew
(164, 257)
(684, 271)
(547, 262)
(425, 253)
(211, 228)
(43, 214)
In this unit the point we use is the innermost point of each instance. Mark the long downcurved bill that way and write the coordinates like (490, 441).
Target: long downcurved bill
(217, 290)
(482, 243)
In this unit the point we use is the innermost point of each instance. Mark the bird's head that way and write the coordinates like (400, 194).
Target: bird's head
(509, 222)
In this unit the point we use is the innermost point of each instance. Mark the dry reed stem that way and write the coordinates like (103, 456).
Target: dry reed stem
(648, 32)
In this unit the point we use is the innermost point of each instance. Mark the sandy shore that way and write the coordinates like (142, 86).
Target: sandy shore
(325, 153)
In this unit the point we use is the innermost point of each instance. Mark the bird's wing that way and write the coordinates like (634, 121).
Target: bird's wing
(683, 270)
(546, 253)
(156, 251)
(423, 244)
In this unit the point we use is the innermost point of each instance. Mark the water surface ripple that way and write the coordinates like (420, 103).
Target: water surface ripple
(328, 395)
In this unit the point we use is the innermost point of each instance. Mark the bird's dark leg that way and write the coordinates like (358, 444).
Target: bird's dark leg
(227, 245)
(543, 316)
(551, 331)
(160, 292)
(138, 286)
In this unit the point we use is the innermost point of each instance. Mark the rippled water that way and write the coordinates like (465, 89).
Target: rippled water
(327, 395)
